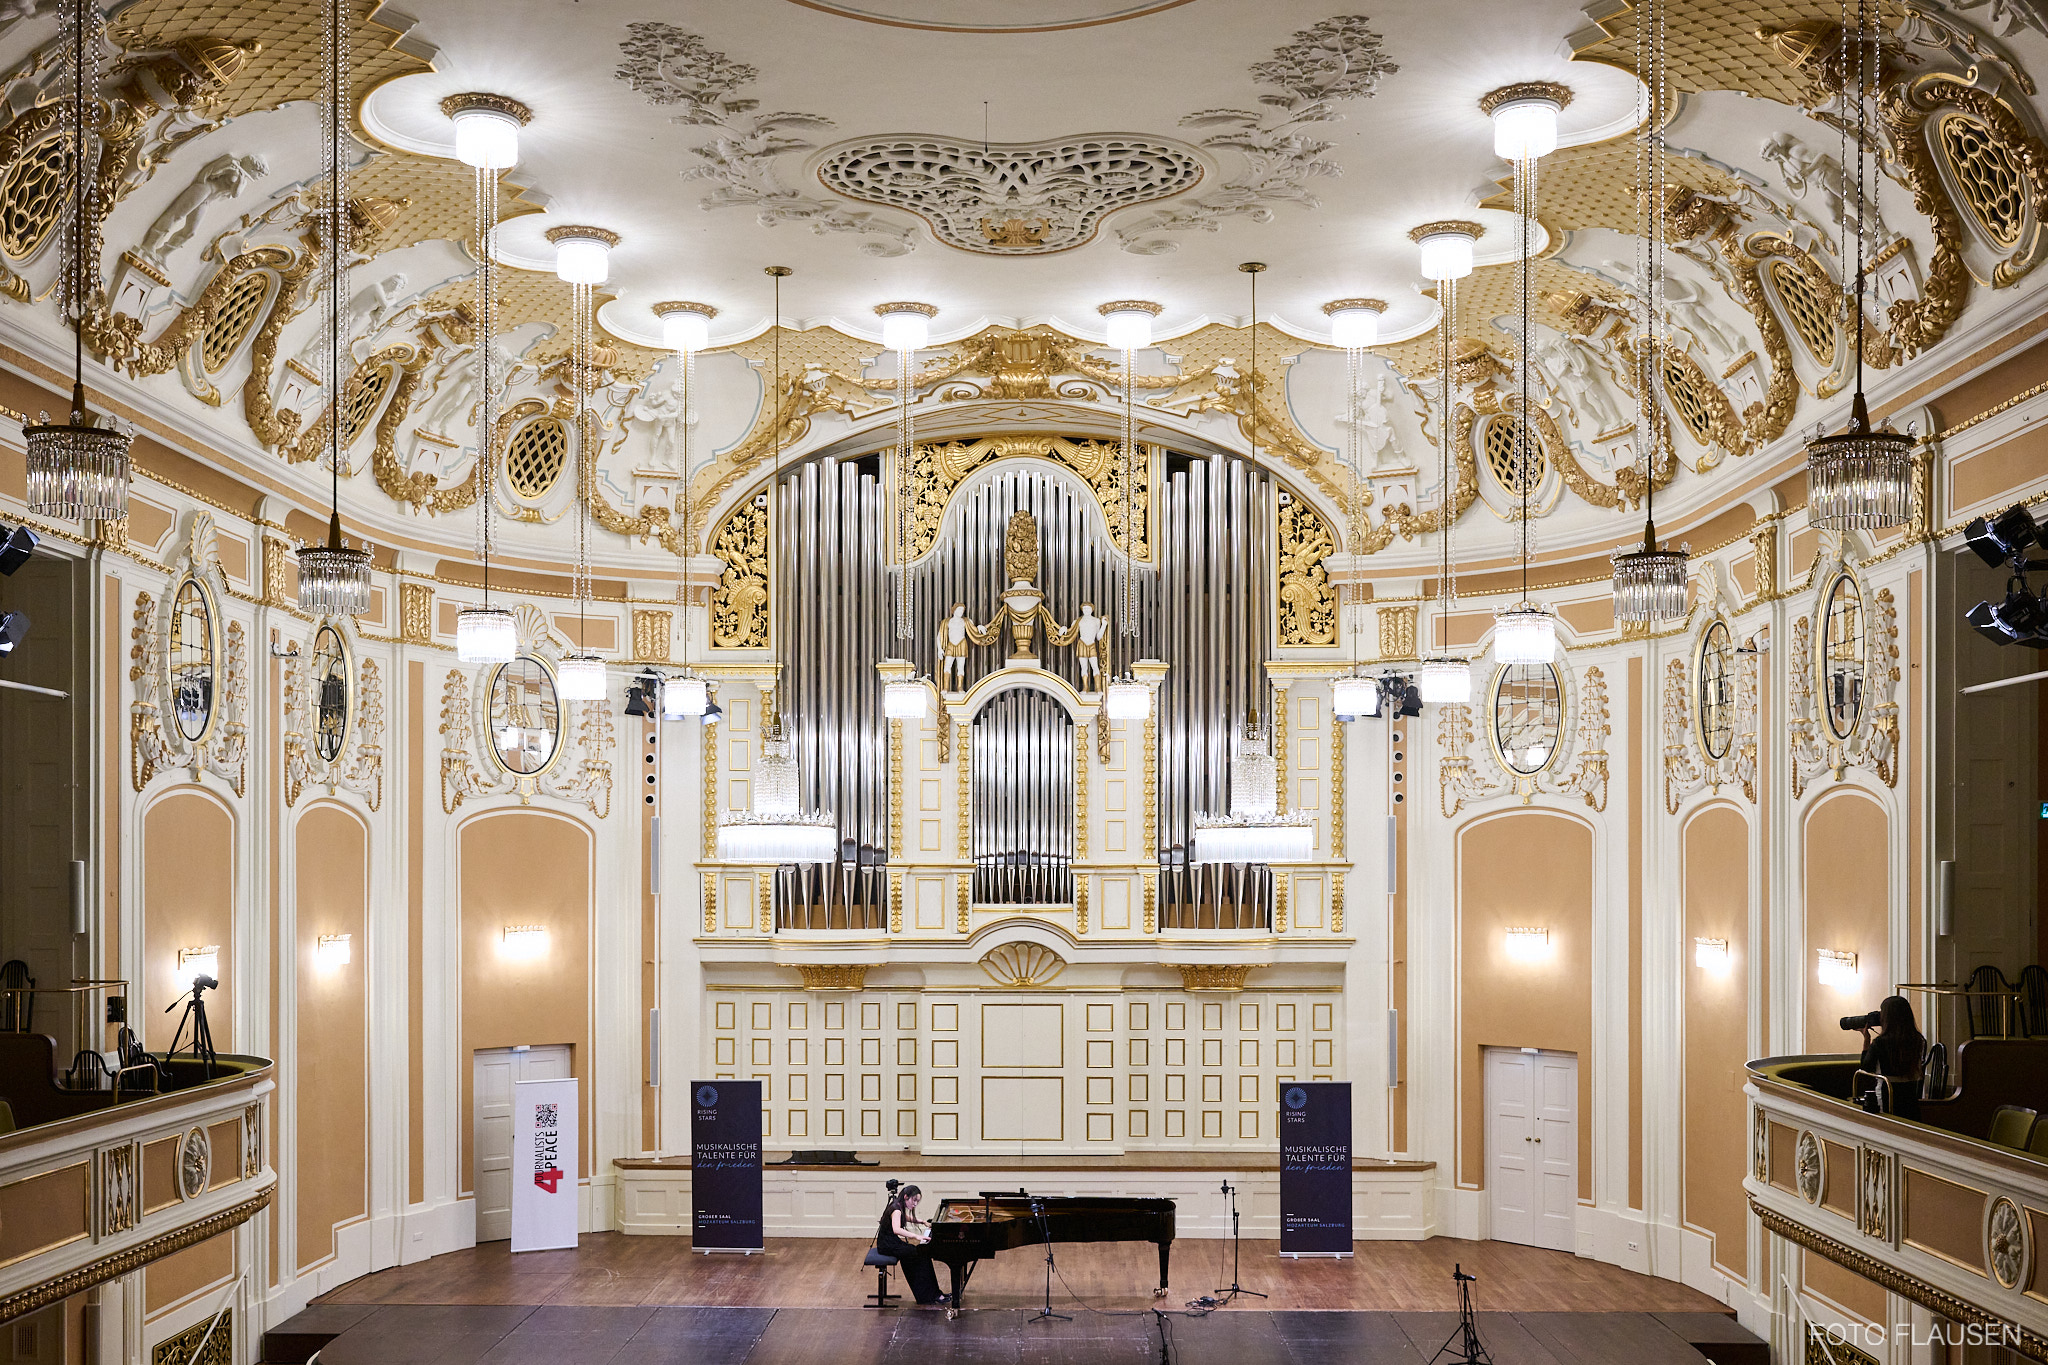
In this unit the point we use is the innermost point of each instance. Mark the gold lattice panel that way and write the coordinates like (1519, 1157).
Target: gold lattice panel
(442, 194)
(1808, 307)
(1993, 185)
(32, 197)
(1505, 448)
(1694, 407)
(234, 318)
(526, 296)
(362, 404)
(535, 456)
(1712, 44)
(1595, 186)
(1490, 292)
(288, 67)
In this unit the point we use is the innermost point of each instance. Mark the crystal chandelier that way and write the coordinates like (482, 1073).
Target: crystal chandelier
(777, 830)
(1444, 677)
(486, 634)
(334, 579)
(79, 470)
(1524, 129)
(1650, 583)
(581, 676)
(906, 699)
(1255, 831)
(1860, 478)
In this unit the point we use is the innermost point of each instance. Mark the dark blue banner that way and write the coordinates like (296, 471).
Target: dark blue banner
(725, 1165)
(1315, 1169)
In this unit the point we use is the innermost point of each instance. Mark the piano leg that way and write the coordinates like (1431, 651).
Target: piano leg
(957, 1275)
(1165, 1251)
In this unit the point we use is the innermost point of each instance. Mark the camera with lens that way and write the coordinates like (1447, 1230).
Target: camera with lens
(208, 983)
(1853, 1022)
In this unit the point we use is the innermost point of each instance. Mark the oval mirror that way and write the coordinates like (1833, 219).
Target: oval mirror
(192, 660)
(1714, 690)
(330, 693)
(526, 716)
(1841, 656)
(1528, 716)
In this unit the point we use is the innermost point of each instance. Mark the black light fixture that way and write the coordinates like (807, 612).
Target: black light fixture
(2005, 538)
(15, 548)
(643, 698)
(13, 629)
(2020, 617)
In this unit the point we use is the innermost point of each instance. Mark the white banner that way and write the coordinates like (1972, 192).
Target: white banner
(543, 1165)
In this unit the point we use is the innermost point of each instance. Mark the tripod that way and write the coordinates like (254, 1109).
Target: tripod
(1045, 1230)
(1234, 1288)
(195, 1016)
(1470, 1350)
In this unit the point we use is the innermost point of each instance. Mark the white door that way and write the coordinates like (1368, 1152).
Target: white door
(495, 1071)
(1532, 1146)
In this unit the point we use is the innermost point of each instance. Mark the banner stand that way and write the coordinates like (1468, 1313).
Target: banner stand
(544, 1162)
(725, 1167)
(1315, 1170)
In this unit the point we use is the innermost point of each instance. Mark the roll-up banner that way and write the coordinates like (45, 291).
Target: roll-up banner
(725, 1165)
(1315, 1169)
(543, 1165)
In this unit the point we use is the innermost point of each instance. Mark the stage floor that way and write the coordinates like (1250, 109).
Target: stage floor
(801, 1272)
(525, 1335)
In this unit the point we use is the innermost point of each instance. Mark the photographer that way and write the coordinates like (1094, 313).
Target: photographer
(1895, 1051)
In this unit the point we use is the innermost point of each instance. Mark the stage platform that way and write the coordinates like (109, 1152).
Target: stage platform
(1390, 1200)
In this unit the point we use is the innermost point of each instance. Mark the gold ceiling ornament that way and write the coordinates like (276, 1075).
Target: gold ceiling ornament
(921, 309)
(503, 105)
(572, 232)
(663, 309)
(1021, 964)
(1338, 305)
(1131, 306)
(1556, 93)
(1445, 226)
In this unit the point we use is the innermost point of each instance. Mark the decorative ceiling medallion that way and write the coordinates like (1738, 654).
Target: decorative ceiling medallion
(1050, 16)
(1017, 199)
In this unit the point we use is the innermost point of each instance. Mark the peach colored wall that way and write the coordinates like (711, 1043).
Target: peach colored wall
(1714, 853)
(1847, 853)
(1844, 1288)
(1503, 1003)
(525, 867)
(332, 888)
(188, 901)
(182, 1274)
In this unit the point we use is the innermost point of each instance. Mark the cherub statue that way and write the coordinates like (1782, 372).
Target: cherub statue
(224, 177)
(1569, 362)
(1684, 303)
(1805, 169)
(956, 633)
(1377, 441)
(660, 408)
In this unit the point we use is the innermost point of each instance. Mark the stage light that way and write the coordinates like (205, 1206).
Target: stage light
(1997, 541)
(1527, 943)
(643, 698)
(194, 963)
(525, 942)
(13, 629)
(713, 713)
(1835, 968)
(2019, 619)
(1711, 955)
(332, 951)
(15, 548)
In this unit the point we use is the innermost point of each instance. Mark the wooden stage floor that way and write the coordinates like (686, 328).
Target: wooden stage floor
(647, 1301)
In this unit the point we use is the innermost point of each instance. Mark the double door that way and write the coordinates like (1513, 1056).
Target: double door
(1532, 1146)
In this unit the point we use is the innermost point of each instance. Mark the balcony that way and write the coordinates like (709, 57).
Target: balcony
(1931, 1210)
(96, 1182)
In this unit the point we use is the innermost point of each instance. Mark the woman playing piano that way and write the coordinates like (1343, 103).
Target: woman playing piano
(903, 1235)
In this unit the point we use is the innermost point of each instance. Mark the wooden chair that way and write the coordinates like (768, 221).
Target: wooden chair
(2038, 1143)
(1934, 1073)
(2033, 984)
(2011, 1126)
(1985, 978)
(880, 1263)
(17, 1012)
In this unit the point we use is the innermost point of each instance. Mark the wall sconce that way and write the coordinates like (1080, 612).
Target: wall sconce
(1834, 968)
(1527, 944)
(525, 941)
(332, 951)
(1711, 955)
(197, 962)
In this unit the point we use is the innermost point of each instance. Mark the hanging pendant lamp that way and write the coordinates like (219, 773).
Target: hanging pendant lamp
(1129, 327)
(1861, 477)
(1650, 582)
(79, 470)
(581, 676)
(1445, 678)
(334, 579)
(1355, 325)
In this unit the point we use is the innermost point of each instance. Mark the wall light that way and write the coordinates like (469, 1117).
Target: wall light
(525, 941)
(331, 951)
(1711, 955)
(1835, 968)
(1528, 944)
(198, 962)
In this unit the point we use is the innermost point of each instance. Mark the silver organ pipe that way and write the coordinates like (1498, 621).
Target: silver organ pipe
(1022, 820)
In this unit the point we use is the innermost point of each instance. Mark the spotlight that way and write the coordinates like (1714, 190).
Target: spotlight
(643, 698)
(2017, 620)
(15, 548)
(712, 715)
(2005, 538)
(13, 627)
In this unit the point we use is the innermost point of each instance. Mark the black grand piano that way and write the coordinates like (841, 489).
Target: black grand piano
(970, 1230)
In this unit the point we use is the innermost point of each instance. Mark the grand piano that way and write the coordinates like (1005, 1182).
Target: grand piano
(971, 1230)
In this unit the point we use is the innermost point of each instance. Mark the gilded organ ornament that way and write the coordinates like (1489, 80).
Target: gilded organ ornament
(740, 601)
(191, 671)
(1307, 598)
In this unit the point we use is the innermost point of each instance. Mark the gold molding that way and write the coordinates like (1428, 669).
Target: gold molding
(24, 1301)
(710, 902)
(1463, 226)
(1214, 977)
(496, 104)
(1560, 95)
(836, 976)
(896, 789)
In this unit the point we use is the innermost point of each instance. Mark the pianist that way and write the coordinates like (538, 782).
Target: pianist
(903, 1235)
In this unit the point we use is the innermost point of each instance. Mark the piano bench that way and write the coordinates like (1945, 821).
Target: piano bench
(881, 1298)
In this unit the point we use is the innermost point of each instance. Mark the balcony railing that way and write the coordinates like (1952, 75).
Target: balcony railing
(1945, 1218)
(90, 1195)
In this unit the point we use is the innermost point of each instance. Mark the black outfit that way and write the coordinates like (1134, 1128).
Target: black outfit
(914, 1261)
(1899, 1059)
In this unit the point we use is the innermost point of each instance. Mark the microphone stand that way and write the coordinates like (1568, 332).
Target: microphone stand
(1465, 1337)
(1234, 1289)
(1045, 1230)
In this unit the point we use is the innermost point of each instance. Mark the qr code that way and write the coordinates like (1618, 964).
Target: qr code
(544, 1116)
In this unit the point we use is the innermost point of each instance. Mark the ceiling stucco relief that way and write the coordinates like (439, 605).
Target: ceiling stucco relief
(1337, 60)
(1014, 200)
(1045, 16)
(671, 67)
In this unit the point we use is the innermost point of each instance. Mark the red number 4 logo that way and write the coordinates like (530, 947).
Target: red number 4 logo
(549, 1179)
